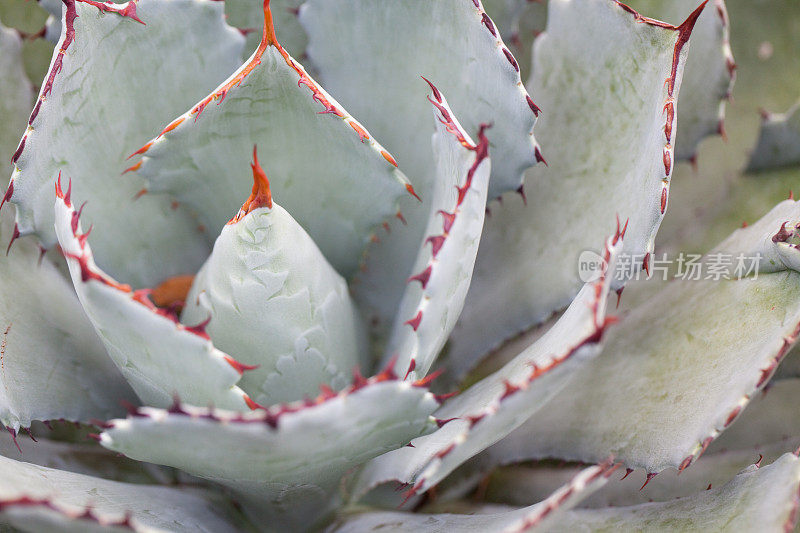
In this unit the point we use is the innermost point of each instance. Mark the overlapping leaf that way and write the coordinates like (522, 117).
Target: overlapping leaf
(435, 295)
(102, 68)
(501, 402)
(289, 459)
(758, 499)
(328, 171)
(34, 498)
(709, 73)
(376, 72)
(16, 93)
(53, 364)
(159, 357)
(275, 301)
(543, 515)
(609, 143)
(684, 363)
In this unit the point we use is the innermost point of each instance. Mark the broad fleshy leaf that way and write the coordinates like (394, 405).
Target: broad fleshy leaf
(435, 295)
(375, 69)
(463, 56)
(102, 68)
(682, 365)
(542, 515)
(328, 171)
(709, 74)
(288, 459)
(53, 364)
(611, 78)
(88, 459)
(34, 498)
(274, 301)
(758, 499)
(16, 93)
(521, 484)
(779, 141)
(501, 402)
(159, 357)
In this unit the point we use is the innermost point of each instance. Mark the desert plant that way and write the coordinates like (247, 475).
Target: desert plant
(413, 230)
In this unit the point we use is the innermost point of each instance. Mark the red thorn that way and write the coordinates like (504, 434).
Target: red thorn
(423, 277)
(260, 195)
(511, 59)
(535, 108)
(411, 366)
(709, 487)
(14, 237)
(133, 168)
(619, 295)
(68, 196)
(646, 262)
(628, 472)
(437, 241)
(441, 423)
(791, 194)
(685, 463)
(442, 397)
(241, 368)
(427, 380)
(94, 436)
(510, 389)
(447, 220)
(252, 404)
(401, 218)
(14, 438)
(521, 192)
(539, 157)
(758, 463)
(436, 93)
(411, 191)
(414, 322)
(650, 476)
(7, 195)
(200, 329)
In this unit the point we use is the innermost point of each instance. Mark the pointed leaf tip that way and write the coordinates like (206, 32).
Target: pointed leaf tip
(261, 195)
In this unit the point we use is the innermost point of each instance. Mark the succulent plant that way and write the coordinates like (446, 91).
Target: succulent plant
(341, 286)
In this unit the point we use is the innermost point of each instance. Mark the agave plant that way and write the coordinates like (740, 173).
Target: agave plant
(398, 220)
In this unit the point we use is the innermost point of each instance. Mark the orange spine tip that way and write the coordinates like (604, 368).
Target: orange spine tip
(141, 150)
(412, 192)
(261, 196)
(172, 125)
(387, 156)
(133, 168)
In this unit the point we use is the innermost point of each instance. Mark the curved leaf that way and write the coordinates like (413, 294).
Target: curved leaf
(52, 363)
(521, 484)
(758, 499)
(501, 402)
(337, 182)
(779, 141)
(544, 514)
(35, 498)
(435, 295)
(609, 144)
(682, 365)
(275, 302)
(709, 74)
(375, 71)
(289, 459)
(159, 357)
(69, 130)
